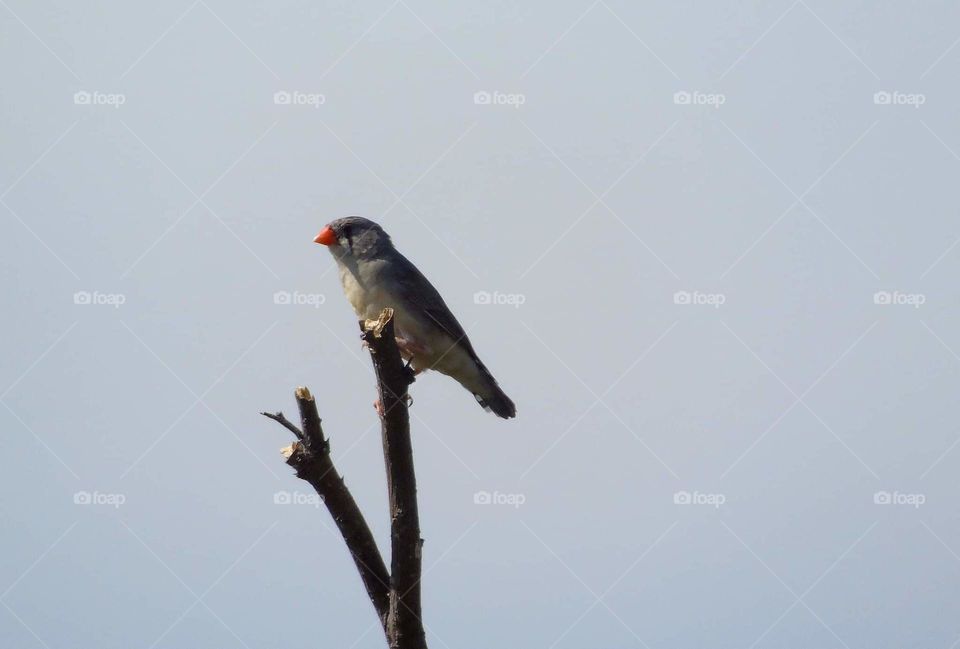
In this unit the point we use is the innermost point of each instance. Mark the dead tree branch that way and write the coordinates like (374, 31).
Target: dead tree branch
(310, 457)
(393, 379)
(395, 594)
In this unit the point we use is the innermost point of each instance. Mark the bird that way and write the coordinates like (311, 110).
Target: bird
(375, 276)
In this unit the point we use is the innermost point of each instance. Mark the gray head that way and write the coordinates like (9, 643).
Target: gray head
(356, 237)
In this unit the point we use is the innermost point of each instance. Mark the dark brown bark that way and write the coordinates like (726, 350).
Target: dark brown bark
(310, 457)
(395, 594)
(405, 628)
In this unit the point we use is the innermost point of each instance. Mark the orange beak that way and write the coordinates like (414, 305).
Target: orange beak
(327, 237)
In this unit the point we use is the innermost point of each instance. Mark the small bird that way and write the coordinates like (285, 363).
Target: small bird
(375, 276)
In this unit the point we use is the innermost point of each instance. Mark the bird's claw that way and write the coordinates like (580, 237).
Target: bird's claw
(378, 405)
(410, 372)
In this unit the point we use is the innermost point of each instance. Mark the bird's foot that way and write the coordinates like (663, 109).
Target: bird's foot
(378, 405)
(411, 375)
(414, 371)
(409, 347)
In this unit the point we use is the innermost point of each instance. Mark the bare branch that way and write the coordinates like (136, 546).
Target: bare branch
(395, 594)
(310, 456)
(405, 627)
(286, 423)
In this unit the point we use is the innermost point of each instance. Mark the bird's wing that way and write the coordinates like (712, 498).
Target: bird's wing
(424, 298)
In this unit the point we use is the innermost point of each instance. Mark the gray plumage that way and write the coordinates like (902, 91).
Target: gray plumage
(375, 275)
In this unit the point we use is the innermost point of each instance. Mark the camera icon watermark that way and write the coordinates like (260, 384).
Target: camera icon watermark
(96, 498)
(296, 298)
(298, 98)
(714, 500)
(897, 98)
(96, 298)
(914, 500)
(516, 300)
(698, 298)
(297, 498)
(96, 98)
(898, 298)
(697, 98)
(497, 98)
(514, 500)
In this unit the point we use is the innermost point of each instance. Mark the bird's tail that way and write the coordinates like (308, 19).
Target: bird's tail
(495, 400)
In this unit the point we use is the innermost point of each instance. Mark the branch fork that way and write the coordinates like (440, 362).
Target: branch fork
(395, 594)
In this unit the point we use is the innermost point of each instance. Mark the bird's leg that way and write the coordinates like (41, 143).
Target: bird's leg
(409, 367)
(409, 349)
(405, 345)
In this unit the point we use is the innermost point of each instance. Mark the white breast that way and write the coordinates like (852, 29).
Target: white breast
(364, 295)
(369, 298)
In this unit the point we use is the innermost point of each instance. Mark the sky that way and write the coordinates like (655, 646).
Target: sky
(709, 249)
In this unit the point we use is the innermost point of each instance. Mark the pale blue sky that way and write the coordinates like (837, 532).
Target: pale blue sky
(786, 401)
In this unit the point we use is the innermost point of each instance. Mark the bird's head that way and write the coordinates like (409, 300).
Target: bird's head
(355, 237)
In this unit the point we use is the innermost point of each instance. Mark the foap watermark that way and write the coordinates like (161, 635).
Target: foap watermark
(897, 498)
(497, 498)
(97, 498)
(497, 98)
(898, 298)
(296, 298)
(298, 98)
(96, 298)
(697, 498)
(297, 498)
(697, 98)
(516, 300)
(697, 298)
(97, 98)
(897, 98)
